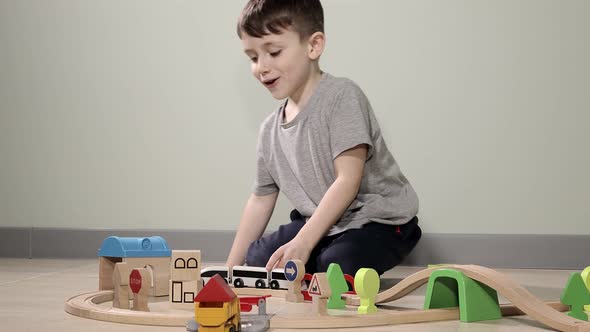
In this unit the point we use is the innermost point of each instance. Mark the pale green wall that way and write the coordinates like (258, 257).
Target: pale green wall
(143, 114)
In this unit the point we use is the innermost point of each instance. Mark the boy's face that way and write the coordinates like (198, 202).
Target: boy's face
(281, 62)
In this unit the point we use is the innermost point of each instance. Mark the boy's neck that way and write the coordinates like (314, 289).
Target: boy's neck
(296, 103)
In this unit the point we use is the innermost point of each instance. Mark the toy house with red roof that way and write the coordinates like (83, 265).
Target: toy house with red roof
(217, 307)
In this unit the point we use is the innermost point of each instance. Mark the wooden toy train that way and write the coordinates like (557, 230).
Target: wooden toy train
(258, 277)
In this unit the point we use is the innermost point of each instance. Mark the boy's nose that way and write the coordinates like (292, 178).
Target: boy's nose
(262, 68)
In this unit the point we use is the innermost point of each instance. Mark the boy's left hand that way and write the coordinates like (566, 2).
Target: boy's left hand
(293, 249)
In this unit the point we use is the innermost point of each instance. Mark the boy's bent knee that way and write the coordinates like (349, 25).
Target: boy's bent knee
(349, 265)
(257, 254)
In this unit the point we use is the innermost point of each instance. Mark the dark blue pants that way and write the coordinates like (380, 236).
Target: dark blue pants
(375, 245)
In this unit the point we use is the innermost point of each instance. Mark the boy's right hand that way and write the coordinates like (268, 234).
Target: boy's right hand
(294, 249)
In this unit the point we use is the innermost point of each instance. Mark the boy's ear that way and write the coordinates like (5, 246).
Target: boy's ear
(316, 44)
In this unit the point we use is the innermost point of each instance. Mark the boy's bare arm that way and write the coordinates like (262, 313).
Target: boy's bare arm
(255, 218)
(349, 166)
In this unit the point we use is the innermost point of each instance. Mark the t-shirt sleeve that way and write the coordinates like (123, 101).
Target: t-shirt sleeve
(350, 121)
(264, 183)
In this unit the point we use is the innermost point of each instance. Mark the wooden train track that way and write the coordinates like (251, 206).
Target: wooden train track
(88, 305)
(348, 318)
(94, 305)
(515, 293)
(298, 315)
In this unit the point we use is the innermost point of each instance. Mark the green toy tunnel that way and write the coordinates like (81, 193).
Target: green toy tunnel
(449, 288)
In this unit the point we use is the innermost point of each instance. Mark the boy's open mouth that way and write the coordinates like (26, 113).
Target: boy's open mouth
(270, 82)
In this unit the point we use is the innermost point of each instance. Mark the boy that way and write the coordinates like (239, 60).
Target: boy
(324, 150)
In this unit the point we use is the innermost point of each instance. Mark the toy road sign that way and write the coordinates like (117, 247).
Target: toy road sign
(291, 270)
(314, 286)
(319, 286)
(135, 281)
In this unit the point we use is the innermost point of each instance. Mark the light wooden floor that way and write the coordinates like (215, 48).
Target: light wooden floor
(33, 291)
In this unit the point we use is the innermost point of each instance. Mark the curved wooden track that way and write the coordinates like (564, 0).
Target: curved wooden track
(515, 293)
(88, 306)
(338, 319)
(290, 316)
(298, 315)
(401, 289)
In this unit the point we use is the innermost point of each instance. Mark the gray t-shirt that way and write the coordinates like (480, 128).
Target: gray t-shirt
(298, 157)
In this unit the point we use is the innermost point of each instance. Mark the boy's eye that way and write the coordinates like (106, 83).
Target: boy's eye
(275, 54)
(254, 59)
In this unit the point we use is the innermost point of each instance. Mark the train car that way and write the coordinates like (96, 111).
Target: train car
(247, 276)
(208, 273)
(278, 280)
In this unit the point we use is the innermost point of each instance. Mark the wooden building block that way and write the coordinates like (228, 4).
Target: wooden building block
(160, 269)
(185, 265)
(106, 267)
(182, 293)
(121, 291)
(122, 294)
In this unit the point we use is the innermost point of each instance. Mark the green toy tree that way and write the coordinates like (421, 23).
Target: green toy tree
(338, 286)
(576, 295)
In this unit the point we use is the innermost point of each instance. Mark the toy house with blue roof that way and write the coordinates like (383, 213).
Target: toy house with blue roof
(138, 252)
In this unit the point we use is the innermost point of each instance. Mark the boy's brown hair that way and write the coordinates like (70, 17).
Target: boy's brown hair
(262, 17)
